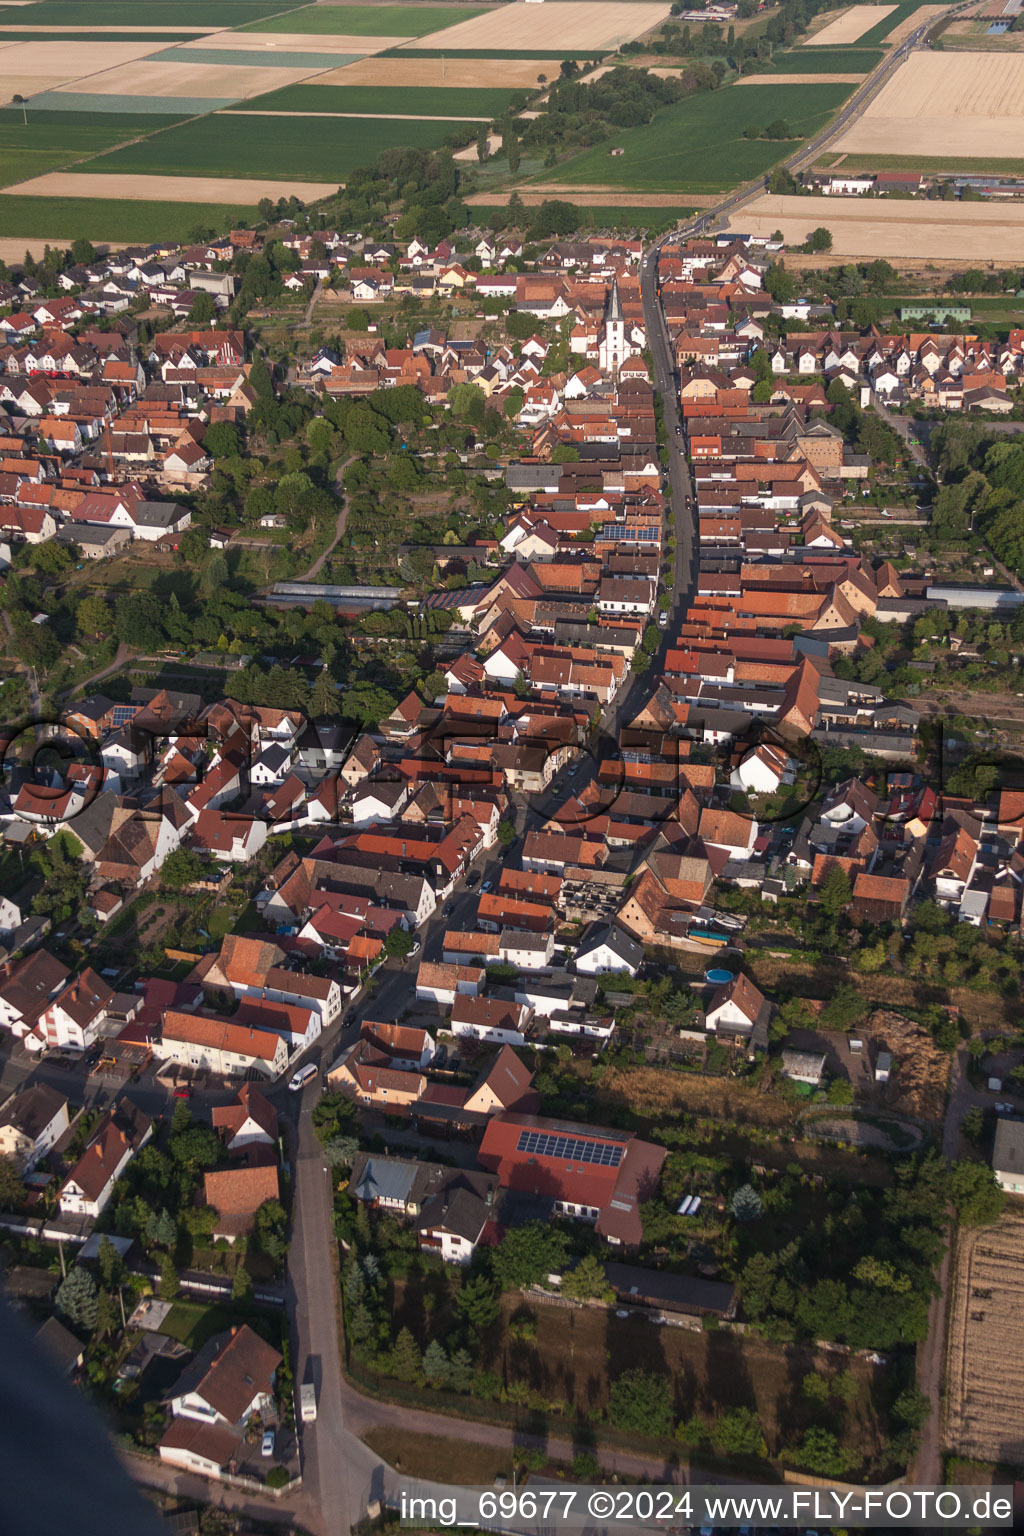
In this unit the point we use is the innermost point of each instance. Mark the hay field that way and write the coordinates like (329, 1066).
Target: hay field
(27, 68)
(961, 104)
(597, 24)
(871, 227)
(984, 1401)
(167, 78)
(183, 189)
(514, 74)
(298, 42)
(849, 26)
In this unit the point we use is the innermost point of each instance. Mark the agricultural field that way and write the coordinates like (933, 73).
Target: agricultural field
(865, 228)
(848, 27)
(368, 20)
(199, 189)
(60, 220)
(968, 105)
(698, 144)
(194, 15)
(399, 70)
(984, 1408)
(179, 80)
(600, 25)
(283, 147)
(823, 61)
(33, 149)
(374, 101)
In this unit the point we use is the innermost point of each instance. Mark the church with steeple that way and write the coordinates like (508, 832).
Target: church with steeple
(613, 348)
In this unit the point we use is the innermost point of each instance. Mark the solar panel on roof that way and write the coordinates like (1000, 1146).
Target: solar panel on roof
(570, 1148)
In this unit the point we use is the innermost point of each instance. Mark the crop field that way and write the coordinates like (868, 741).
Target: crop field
(899, 22)
(984, 1405)
(95, 34)
(60, 220)
(597, 216)
(370, 101)
(177, 189)
(400, 70)
(936, 103)
(697, 145)
(873, 227)
(176, 79)
(197, 15)
(33, 150)
(282, 147)
(594, 24)
(270, 47)
(823, 61)
(379, 20)
(848, 27)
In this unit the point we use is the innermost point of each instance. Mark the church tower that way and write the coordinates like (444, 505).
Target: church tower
(612, 349)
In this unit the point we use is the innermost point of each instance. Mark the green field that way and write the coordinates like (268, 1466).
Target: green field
(825, 61)
(256, 58)
(603, 217)
(414, 101)
(369, 20)
(228, 145)
(206, 15)
(33, 149)
(118, 219)
(697, 145)
(934, 166)
(156, 38)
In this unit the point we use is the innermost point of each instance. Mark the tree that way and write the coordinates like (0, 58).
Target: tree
(222, 440)
(587, 1281)
(834, 893)
(820, 1452)
(170, 1285)
(241, 1285)
(406, 1360)
(94, 616)
(341, 1151)
(819, 239)
(323, 699)
(846, 1007)
(83, 252)
(76, 1298)
(398, 943)
(107, 1314)
(640, 1402)
(269, 1230)
(746, 1204)
(161, 1230)
(479, 1302)
(203, 310)
(978, 1199)
(528, 1254)
(182, 867)
(506, 833)
(109, 1263)
(12, 1187)
(739, 1433)
(436, 1367)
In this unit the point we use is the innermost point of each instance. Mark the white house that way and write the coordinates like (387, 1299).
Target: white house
(737, 1008)
(31, 1123)
(525, 950)
(75, 1017)
(608, 948)
(444, 983)
(1008, 1155)
(490, 1019)
(123, 1131)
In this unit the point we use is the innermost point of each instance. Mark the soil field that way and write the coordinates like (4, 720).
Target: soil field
(698, 144)
(379, 101)
(597, 24)
(984, 1402)
(401, 72)
(280, 148)
(118, 220)
(390, 20)
(93, 35)
(577, 1352)
(848, 27)
(937, 103)
(191, 189)
(166, 79)
(910, 230)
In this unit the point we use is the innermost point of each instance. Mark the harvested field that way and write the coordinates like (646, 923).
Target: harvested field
(515, 74)
(848, 27)
(28, 68)
(392, 20)
(968, 105)
(186, 189)
(597, 24)
(913, 21)
(802, 79)
(297, 42)
(868, 228)
(166, 79)
(984, 1401)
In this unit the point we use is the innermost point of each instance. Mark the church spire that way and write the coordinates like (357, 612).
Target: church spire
(614, 309)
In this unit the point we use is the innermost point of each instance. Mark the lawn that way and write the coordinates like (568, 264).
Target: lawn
(192, 1322)
(697, 145)
(440, 1460)
(227, 145)
(368, 20)
(933, 165)
(412, 101)
(204, 15)
(99, 218)
(825, 61)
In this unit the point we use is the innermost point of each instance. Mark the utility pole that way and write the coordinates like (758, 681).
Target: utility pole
(60, 1250)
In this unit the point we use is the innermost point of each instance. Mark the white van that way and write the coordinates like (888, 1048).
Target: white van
(307, 1402)
(302, 1076)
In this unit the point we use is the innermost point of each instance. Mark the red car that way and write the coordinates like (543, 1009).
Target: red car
(183, 1092)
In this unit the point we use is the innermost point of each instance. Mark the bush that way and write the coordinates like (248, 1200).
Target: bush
(278, 1477)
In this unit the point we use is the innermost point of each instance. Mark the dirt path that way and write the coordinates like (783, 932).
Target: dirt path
(339, 529)
(124, 653)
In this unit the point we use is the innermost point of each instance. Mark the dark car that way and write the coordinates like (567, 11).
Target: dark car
(448, 909)
(473, 879)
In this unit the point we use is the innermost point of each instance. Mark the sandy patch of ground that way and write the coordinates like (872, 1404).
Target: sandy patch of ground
(170, 189)
(12, 249)
(957, 104)
(851, 25)
(469, 153)
(984, 1404)
(295, 42)
(914, 20)
(157, 77)
(558, 24)
(870, 227)
(516, 74)
(799, 79)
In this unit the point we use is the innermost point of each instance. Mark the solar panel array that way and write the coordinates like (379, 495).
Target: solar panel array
(571, 1148)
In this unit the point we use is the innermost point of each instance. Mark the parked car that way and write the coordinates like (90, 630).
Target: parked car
(417, 946)
(267, 1443)
(302, 1076)
(663, 620)
(447, 909)
(183, 1091)
(473, 878)
(488, 885)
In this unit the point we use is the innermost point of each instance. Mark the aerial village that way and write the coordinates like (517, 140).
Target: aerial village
(642, 738)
